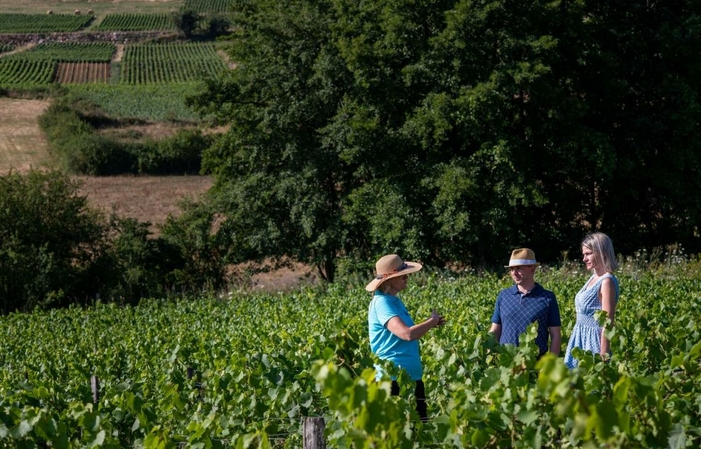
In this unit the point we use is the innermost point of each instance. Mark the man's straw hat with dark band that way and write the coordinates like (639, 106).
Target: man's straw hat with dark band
(389, 267)
(522, 256)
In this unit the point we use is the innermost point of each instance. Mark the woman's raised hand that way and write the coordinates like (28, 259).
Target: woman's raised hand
(440, 319)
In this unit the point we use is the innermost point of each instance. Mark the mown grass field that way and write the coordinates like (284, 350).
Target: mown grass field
(260, 363)
(99, 7)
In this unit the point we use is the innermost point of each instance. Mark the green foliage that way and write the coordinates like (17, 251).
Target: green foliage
(135, 263)
(263, 362)
(80, 149)
(181, 154)
(77, 147)
(196, 252)
(49, 239)
(187, 21)
(452, 131)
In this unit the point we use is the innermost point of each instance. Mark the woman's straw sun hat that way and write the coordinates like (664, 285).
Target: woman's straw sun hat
(389, 267)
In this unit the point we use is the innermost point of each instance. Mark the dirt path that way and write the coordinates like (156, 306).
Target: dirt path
(19, 49)
(119, 53)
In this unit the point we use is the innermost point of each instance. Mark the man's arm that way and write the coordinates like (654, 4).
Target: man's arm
(496, 330)
(555, 339)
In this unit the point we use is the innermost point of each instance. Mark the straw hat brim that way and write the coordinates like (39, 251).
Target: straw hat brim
(411, 267)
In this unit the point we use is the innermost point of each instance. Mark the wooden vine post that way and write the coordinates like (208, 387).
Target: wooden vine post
(313, 428)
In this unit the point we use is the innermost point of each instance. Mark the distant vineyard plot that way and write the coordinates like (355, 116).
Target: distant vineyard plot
(169, 63)
(69, 52)
(20, 73)
(136, 22)
(207, 6)
(69, 62)
(42, 23)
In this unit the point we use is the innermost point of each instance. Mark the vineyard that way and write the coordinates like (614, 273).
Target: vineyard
(68, 52)
(169, 63)
(207, 6)
(42, 23)
(244, 370)
(136, 22)
(21, 73)
(4, 48)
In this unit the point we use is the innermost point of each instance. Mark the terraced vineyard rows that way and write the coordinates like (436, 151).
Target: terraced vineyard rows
(20, 73)
(136, 22)
(261, 363)
(69, 52)
(42, 23)
(207, 6)
(169, 63)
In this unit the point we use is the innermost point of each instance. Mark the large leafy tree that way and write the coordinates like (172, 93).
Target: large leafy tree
(454, 130)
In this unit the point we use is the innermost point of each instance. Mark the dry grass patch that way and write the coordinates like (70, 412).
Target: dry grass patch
(22, 144)
(145, 198)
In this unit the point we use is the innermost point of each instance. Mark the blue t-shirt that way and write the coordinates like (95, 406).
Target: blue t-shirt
(386, 345)
(514, 312)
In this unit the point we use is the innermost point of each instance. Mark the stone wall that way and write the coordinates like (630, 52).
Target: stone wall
(116, 37)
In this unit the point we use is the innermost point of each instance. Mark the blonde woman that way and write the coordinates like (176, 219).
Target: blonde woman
(600, 292)
(393, 334)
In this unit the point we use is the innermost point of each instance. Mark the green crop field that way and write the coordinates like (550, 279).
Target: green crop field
(68, 52)
(42, 23)
(207, 6)
(169, 63)
(20, 73)
(260, 363)
(136, 22)
(165, 102)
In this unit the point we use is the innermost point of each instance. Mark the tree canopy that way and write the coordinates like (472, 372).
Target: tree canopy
(455, 130)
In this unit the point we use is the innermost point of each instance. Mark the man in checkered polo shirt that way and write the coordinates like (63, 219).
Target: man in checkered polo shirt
(525, 302)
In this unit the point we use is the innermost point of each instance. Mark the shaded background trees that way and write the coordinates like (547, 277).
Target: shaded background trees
(448, 131)
(452, 131)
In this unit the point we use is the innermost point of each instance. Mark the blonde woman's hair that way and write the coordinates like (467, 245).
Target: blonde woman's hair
(602, 246)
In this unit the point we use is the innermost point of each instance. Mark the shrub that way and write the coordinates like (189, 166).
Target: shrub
(49, 241)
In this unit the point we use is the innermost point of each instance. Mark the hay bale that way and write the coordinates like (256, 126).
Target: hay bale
(90, 13)
(77, 12)
(49, 12)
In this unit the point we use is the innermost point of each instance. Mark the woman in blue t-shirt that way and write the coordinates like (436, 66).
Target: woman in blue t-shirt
(393, 334)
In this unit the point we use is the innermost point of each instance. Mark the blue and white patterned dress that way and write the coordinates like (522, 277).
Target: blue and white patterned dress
(587, 332)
